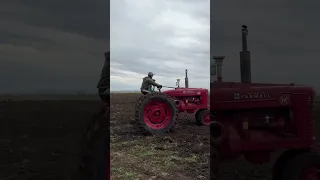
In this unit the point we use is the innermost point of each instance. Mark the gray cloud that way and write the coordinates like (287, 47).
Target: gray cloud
(283, 39)
(52, 45)
(58, 45)
(82, 16)
(164, 37)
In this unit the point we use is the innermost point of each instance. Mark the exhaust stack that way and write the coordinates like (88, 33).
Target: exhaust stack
(217, 67)
(186, 81)
(178, 83)
(245, 61)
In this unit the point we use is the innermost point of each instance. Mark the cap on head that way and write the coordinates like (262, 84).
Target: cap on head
(150, 74)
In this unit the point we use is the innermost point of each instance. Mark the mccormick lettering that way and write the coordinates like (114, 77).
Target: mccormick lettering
(257, 95)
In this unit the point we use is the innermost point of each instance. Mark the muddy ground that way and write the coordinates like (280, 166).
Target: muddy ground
(41, 140)
(182, 154)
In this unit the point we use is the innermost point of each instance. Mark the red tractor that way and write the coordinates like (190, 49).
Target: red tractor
(257, 119)
(157, 112)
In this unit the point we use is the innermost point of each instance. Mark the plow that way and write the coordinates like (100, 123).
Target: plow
(254, 120)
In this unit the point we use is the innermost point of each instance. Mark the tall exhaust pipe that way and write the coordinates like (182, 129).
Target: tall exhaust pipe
(186, 81)
(245, 61)
(217, 67)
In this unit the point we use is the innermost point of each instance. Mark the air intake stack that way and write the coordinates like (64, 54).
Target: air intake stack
(245, 61)
(186, 81)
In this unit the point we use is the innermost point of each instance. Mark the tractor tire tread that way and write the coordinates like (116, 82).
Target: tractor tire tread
(98, 127)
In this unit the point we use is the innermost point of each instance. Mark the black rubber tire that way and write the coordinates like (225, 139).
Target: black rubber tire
(144, 100)
(95, 147)
(199, 116)
(294, 168)
(282, 162)
(138, 100)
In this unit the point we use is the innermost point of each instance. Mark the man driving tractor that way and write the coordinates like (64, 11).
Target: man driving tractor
(147, 83)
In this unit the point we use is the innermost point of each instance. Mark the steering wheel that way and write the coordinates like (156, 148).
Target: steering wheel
(153, 89)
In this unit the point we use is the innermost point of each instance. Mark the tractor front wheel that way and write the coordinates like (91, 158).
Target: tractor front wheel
(304, 166)
(155, 113)
(203, 117)
(283, 161)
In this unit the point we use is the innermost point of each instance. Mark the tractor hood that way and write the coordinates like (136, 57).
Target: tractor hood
(184, 91)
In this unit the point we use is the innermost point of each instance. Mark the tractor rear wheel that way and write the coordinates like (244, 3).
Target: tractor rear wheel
(304, 166)
(155, 113)
(104, 97)
(95, 156)
(203, 117)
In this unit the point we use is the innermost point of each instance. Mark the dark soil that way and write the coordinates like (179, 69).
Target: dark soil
(40, 140)
(181, 154)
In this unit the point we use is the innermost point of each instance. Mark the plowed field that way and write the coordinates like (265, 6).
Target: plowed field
(41, 140)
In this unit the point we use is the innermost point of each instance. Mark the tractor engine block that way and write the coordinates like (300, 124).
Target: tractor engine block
(257, 126)
(264, 124)
(189, 100)
(188, 103)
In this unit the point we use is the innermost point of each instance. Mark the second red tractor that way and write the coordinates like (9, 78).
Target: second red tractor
(256, 119)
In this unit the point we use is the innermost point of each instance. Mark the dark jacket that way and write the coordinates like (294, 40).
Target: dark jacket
(147, 82)
(104, 81)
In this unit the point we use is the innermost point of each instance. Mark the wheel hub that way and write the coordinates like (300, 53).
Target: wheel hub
(157, 114)
(206, 119)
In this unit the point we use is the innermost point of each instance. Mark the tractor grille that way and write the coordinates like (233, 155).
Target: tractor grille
(311, 105)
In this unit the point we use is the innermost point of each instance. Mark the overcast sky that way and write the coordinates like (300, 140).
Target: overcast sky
(52, 46)
(162, 36)
(283, 39)
(48, 46)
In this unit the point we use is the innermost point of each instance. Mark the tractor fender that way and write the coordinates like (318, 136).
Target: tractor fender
(199, 110)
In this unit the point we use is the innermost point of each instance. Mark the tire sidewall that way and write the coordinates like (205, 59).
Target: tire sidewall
(199, 117)
(296, 166)
(95, 155)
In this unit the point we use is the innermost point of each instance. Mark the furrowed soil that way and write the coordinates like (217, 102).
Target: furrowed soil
(182, 154)
(40, 140)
